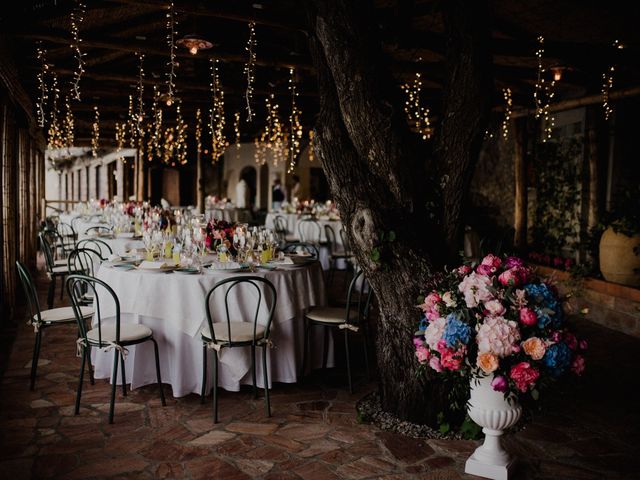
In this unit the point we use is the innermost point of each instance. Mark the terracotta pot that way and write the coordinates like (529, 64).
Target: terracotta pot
(618, 262)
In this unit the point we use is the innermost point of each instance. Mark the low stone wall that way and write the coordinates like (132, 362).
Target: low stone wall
(610, 304)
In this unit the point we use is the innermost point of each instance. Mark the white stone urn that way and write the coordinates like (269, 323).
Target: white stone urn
(494, 414)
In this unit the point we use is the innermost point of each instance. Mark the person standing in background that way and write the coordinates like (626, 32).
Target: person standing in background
(295, 189)
(277, 195)
(242, 194)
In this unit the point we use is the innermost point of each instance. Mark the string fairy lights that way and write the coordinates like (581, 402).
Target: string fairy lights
(154, 147)
(236, 129)
(55, 139)
(43, 93)
(121, 131)
(272, 138)
(216, 114)
(250, 69)
(180, 148)
(77, 17)
(311, 147)
(95, 128)
(198, 131)
(543, 94)
(173, 64)
(295, 129)
(417, 114)
(140, 92)
(506, 92)
(607, 84)
(68, 124)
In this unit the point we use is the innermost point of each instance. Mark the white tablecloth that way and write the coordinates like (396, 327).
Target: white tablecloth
(227, 214)
(172, 305)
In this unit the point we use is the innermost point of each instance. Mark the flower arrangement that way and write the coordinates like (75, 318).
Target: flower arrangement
(217, 232)
(497, 319)
(560, 263)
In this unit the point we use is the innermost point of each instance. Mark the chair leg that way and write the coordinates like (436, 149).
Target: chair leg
(114, 381)
(87, 353)
(265, 374)
(325, 347)
(215, 386)
(305, 347)
(61, 287)
(122, 374)
(346, 350)
(253, 370)
(159, 378)
(79, 390)
(204, 373)
(51, 293)
(34, 359)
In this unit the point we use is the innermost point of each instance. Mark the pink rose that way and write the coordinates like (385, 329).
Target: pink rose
(499, 383)
(571, 340)
(434, 363)
(524, 376)
(452, 359)
(583, 344)
(528, 316)
(485, 270)
(578, 365)
(512, 262)
(423, 354)
(556, 336)
(464, 270)
(514, 277)
(492, 261)
(430, 305)
(495, 308)
(417, 342)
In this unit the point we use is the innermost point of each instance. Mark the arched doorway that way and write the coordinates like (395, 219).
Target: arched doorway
(250, 176)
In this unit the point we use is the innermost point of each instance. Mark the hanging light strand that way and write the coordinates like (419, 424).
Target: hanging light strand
(140, 91)
(417, 114)
(311, 148)
(55, 139)
(77, 17)
(68, 124)
(216, 114)
(272, 139)
(43, 94)
(95, 128)
(250, 69)
(236, 129)
(506, 92)
(543, 94)
(181, 137)
(131, 123)
(198, 131)
(121, 131)
(295, 129)
(607, 84)
(173, 64)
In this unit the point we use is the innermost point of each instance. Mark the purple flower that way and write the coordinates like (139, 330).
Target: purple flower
(499, 383)
(512, 262)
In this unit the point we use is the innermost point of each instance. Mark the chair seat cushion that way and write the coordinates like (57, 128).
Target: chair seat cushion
(240, 332)
(128, 333)
(332, 315)
(63, 314)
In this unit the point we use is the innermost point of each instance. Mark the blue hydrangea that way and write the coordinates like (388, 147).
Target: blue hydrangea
(557, 358)
(424, 323)
(540, 293)
(456, 331)
(548, 309)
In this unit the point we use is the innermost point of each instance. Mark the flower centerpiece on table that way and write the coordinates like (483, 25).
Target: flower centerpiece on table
(219, 232)
(497, 319)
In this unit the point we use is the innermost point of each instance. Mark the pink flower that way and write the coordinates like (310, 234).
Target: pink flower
(417, 342)
(475, 289)
(578, 365)
(568, 263)
(495, 308)
(492, 261)
(498, 336)
(583, 344)
(558, 262)
(449, 358)
(485, 270)
(512, 262)
(515, 277)
(207, 242)
(524, 376)
(534, 347)
(528, 317)
(434, 331)
(499, 383)
(423, 354)
(430, 305)
(571, 340)
(434, 363)
(556, 336)
(464, 270)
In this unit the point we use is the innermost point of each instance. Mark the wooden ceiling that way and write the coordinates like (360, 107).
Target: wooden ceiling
(578, 36)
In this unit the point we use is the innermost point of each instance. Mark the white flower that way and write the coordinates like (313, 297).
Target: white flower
(495, 308)
(434, 331)
(498, 336)
(475, 289)
(449, 300)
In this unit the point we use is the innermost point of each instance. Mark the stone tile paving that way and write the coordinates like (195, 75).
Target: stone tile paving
(590, 431)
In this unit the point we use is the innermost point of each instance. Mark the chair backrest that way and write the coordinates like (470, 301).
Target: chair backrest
(255, 285)
(78, 287)
(363, 303)
(83, 260)
(30, 291)
(46, 249)
(293, 247)
(97, 245)
(97, 229)
(280, 224)
(68, 233)
(309, 230)
(330, 236)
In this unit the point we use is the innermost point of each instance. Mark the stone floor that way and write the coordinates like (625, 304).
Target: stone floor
(589, 431)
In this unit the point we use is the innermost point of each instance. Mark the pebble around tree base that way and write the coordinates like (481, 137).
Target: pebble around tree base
(370, 410)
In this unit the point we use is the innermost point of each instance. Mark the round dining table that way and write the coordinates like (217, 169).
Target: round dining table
(173, 306)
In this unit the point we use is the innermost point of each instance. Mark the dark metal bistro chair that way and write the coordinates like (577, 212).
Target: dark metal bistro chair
(98, 230)
(335, 254)
(97, 245)
(84, 261)
(353, 317)
(41, 319)
(54, 271)
(310, 231)
(114, 336)
(225, 333)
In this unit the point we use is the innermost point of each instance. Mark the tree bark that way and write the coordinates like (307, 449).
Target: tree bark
(402, 224)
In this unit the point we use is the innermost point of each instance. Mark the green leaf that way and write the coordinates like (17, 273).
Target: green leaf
(535, 394)
(375, 254)
(470, 430)
(392, 236)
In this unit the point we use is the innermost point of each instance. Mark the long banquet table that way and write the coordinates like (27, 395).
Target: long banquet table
(172, 305)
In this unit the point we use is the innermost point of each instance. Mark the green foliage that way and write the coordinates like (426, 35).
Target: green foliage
(383, 249)
(443, 425)
(470, 430)
(624, 216)
(558, 171)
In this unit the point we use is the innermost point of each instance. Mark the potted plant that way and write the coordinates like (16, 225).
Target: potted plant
(497, 334)
(620, 241)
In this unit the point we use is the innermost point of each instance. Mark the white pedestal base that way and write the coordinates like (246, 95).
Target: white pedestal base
(495, 472)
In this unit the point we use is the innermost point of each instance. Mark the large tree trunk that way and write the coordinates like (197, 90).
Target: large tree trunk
(383, 181)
